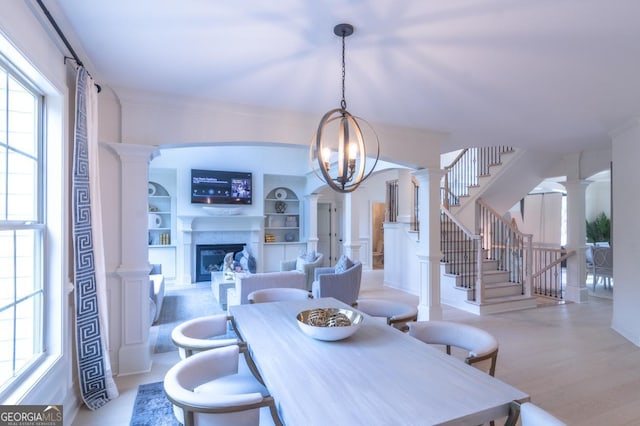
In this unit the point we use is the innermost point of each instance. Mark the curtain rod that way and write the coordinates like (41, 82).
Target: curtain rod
(55, 26)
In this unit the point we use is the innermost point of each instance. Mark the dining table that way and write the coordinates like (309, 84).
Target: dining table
(377, 376)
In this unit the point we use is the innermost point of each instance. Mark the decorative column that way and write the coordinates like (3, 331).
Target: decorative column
(134, 353)
(429, 255)
(312, 232)
(184, 250)
(576, 290)
(351, 226)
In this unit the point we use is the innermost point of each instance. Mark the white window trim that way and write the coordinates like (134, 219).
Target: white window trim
(57, 360)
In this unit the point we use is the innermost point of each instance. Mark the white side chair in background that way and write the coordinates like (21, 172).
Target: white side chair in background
(212, 388)
(278, 294)
(480, 345)
(397, 314)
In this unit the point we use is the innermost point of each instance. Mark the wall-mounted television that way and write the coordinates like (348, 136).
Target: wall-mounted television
(220, 187)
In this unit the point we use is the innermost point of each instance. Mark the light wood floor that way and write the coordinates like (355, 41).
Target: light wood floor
(566, 357)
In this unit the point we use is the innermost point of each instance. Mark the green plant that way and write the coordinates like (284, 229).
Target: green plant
(599, 229)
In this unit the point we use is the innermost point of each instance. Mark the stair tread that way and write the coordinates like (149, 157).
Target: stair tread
(502, 284)
(503, 299)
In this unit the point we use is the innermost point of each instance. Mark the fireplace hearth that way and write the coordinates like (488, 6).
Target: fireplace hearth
(210, 258)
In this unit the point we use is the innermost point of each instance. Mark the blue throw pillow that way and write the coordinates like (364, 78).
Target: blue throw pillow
(343, 264)
(310, 257)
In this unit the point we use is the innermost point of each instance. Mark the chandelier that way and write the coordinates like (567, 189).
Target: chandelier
(337, 152)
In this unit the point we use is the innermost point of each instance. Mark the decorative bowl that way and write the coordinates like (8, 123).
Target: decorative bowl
(329, 324)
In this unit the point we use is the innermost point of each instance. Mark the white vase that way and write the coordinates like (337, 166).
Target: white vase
(155, 221)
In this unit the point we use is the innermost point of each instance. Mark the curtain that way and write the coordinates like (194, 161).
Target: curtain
(94, 368)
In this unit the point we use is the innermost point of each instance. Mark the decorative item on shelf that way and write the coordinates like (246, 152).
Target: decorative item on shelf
(154, 189)
(280, 193)
(153, 208)
(269, 238)
(280, 206)
(289, 237)
(348, 143)
(155, 221)
(291, 222)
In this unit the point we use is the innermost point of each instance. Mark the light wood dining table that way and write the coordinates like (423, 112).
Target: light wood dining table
(377, 376)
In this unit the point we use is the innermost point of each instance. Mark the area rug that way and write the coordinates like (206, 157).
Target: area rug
(180, 305)
(152, 408)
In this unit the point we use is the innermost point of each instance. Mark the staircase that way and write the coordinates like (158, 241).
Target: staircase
(482, 271)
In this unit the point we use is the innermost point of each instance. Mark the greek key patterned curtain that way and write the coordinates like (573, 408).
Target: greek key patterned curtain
(94, 368)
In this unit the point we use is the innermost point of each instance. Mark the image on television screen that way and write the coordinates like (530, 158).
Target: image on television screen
(220, 187)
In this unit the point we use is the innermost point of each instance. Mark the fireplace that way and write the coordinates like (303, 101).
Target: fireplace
(210, 258)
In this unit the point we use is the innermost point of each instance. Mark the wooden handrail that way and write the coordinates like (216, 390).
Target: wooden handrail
(555, 262)
(458, 157)
(503, 220)
(466, 168)
(459, 224)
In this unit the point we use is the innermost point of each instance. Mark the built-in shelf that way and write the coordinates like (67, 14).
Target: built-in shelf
(282, 217)
(160, 216)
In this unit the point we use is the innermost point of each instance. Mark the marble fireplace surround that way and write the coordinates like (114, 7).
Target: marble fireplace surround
(237, 229)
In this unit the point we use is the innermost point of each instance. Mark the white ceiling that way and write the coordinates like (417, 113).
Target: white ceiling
(554, 74)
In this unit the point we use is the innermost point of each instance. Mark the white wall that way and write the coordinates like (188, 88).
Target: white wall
(542, 218)
(626, 233)
(598, 200)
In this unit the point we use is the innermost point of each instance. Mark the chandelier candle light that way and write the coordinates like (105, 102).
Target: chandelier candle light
(349, 145)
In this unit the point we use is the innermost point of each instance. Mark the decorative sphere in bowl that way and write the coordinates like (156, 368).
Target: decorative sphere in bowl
(329, 324)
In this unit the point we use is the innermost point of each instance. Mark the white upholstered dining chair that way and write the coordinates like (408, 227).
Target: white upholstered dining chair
(533, 415)
(278, 294)
(213, 388)
(203, 333)
(479, 344)
(397, 314)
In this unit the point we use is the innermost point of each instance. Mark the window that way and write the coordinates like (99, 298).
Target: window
(22, 226)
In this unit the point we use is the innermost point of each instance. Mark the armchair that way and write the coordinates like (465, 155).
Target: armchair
(303, 265)
(344, 286)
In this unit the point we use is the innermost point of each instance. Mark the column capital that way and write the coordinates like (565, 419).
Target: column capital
(132, 153)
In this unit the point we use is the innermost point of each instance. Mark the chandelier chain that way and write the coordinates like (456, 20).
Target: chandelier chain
(343, 103)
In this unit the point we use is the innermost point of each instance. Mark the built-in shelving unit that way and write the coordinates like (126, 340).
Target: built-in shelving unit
(282, 217)
(284, 220)
(161, 212)
(160, 216)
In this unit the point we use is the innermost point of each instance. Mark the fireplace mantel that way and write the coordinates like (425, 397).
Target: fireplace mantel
(221, 223)
(222, 229)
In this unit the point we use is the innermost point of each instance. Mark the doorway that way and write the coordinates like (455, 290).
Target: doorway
(377, 235)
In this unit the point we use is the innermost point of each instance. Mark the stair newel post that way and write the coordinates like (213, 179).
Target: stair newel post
(528, 272)
(479, 287)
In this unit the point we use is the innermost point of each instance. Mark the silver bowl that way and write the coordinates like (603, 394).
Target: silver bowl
(330, 331)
